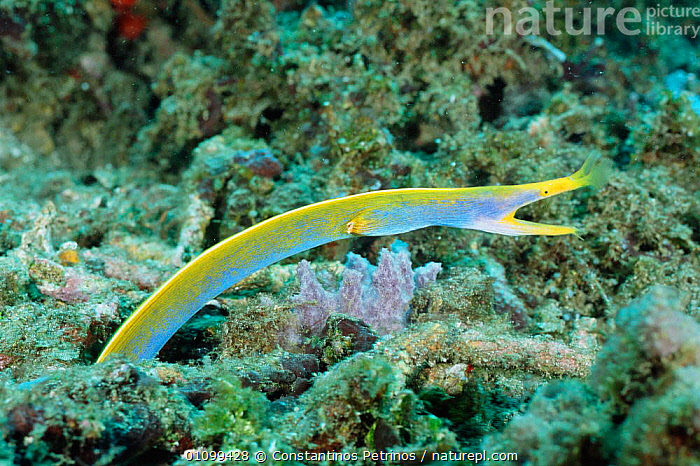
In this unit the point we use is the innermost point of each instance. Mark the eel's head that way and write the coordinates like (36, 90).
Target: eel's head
(594, 172)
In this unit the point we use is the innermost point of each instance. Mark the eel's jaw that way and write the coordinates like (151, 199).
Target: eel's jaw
(511, 226)
(515, 226)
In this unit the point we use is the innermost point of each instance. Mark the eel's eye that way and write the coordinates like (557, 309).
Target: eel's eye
(544, 192)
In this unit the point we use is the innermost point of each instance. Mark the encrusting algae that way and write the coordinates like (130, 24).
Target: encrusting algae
(125, 154)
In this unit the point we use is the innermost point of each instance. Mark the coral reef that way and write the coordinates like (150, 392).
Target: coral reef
(364, 404)
(669, 137)
(638, 405)
(235, 420)
(134, 134)
(564, 423)
(82, 415)
(189, 110)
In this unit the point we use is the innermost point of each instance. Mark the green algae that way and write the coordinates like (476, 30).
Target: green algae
(235, 419)
(349, 99)
(14, 282)
(97, 416)
(635, 405)
(465, 294)
(343, 336)
(363, 395)
(473, 412)
(186, 87)
(669, 137)
(255, 325)
(565, 423)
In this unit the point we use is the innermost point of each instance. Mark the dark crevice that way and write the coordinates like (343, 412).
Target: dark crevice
(624, 155)
(90, 239)
(213, 232)
(490, 104)
(88, 180)
(406, 135)
(212, 235)
(441, 43)
(181, 161)
(693, 221)
(339, 5)
(152, 106)
(575, 138)
(479, 177)
(122, 53)
(196, 338)
(263, 128)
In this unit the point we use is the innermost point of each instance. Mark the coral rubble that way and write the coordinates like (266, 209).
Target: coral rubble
(134, 134)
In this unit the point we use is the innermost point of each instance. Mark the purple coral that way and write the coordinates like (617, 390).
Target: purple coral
(314, 302)
(379, 295)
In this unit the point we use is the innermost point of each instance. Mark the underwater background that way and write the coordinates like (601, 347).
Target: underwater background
(134, 134)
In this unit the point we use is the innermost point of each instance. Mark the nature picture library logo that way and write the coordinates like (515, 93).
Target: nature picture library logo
(658, 20)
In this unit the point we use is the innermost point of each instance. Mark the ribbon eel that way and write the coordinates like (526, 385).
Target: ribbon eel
(377, 213)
